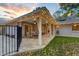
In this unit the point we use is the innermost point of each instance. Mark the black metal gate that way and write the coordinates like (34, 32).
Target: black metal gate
(10, 39)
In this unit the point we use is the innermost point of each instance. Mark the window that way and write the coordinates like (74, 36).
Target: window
(75, 27)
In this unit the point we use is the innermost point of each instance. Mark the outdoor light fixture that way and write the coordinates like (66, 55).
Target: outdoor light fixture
(35, 22)
(75, 25)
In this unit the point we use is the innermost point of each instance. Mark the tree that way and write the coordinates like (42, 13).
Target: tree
(72, 8)
(66, 9)
(58, 15)
(68, 6)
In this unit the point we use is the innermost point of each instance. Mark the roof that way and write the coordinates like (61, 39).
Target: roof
(70, 19)
(42, 12)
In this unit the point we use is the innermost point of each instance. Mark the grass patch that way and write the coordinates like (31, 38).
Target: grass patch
(59, 46)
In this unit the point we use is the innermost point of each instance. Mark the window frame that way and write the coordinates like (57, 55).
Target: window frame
(75, 28)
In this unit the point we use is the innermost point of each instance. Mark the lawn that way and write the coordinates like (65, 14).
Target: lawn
(59, 46)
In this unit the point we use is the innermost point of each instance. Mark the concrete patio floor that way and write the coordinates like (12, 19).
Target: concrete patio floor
(28, 44)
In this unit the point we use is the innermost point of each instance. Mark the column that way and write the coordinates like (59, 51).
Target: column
(50, 31)
(54, 30)
(46, 30)
(40, 32)
(23, 30)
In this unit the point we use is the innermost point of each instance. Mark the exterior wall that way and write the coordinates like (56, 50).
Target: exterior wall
(66, 30)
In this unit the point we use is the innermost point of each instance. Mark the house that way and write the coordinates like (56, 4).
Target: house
(38, 24)
(69, 27)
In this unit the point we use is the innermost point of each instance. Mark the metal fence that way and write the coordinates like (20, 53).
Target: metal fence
(10, 39)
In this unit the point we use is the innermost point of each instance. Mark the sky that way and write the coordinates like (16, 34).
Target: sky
(14, 10)
(52, 7)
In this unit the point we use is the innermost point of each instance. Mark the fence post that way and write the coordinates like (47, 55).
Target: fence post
(19, 36)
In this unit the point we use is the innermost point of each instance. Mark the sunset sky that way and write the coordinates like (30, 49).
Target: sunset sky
(13, 10)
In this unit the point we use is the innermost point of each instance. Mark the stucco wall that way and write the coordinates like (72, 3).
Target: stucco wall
(66, 30)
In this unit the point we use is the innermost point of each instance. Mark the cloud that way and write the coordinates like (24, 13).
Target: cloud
(13, 10)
